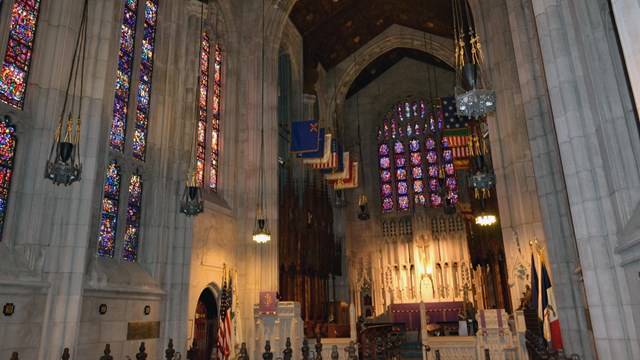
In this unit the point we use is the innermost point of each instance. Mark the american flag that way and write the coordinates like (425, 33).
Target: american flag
(332, 160)
(458, 142)
(224, 326)
(450, 115)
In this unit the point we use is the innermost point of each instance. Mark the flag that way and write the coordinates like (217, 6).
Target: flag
(551, 324)
(351, 182)
(458, 143)
(339, 166)
(450, 117)
(347, 176)
(227, 320)
(331, 160)
(236, 320)
(223, 346)
(534, 285)
(314, 153)
(345, 171)
(305, 136)
(322, 156)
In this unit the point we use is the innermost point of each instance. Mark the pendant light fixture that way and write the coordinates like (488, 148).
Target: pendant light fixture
(363, 203)
(473, 97)
(191, 203)
(63, 166)
(261, 232)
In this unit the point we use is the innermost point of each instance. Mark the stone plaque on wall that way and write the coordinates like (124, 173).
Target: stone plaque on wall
(143, 330)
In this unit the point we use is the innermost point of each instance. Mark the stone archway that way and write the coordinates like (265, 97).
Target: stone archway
(205, 326)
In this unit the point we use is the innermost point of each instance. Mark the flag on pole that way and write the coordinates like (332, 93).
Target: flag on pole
(223, 346)
(346, 177)
(305, 136)
(346, 169)
(551, 324)
(321, 156)
(458, 142)
(349, 183)
(331, 157)
(534, 285)
(337, 156)
(450, 115)
(314, 153)
(227, 319)
(236, 320)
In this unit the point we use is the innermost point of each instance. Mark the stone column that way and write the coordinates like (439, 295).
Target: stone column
(171, 136)
(599, 156)
(627, 13)
(546, 190)
(52, 223)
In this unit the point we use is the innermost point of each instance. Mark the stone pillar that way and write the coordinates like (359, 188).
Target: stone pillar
(627, 13)
(598, 148)
(174, 84)
(525, 146)
(63, 226)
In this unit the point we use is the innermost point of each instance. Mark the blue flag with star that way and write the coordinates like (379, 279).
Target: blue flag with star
(305, 136)
(450, 115)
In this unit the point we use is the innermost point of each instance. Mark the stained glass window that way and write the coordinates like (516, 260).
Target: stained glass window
(144, 87)
(7, 155)
(109, 215)
(203, 95)
(386, 192)
(123, 76)
(416, 166)
(215, 129)
(132, 229)
(15, 68)
(112, 212)
(401, 174)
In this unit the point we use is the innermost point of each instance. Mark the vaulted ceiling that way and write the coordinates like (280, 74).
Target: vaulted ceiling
(334, 29)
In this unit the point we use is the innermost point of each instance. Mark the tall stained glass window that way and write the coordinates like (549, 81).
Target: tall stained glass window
(132, 230)
(215, 128)
(7, 156)
(123, 76)
(133, 45)
(415, 160)
(203, 96)
(15, 67)
(144, 86)
(109, 215)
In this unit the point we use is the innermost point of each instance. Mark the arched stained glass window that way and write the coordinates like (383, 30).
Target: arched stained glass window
(109, 215)
(7, 157)
(132, 142)
(416, 163)
(215, 128)
(15, 67)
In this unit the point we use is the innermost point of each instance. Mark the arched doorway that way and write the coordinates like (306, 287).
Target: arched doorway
(205, 325)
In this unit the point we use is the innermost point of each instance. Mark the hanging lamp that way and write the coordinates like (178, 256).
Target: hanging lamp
(363, 203)
(473, 97)
(261, 232)
(63, 166)
(191, 203)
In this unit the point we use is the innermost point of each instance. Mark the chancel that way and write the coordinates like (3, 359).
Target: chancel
(305, 179)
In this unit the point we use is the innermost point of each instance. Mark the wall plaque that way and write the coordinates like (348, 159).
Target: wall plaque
(143, 330)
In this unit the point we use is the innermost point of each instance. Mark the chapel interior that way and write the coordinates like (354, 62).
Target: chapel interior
(387, 179)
